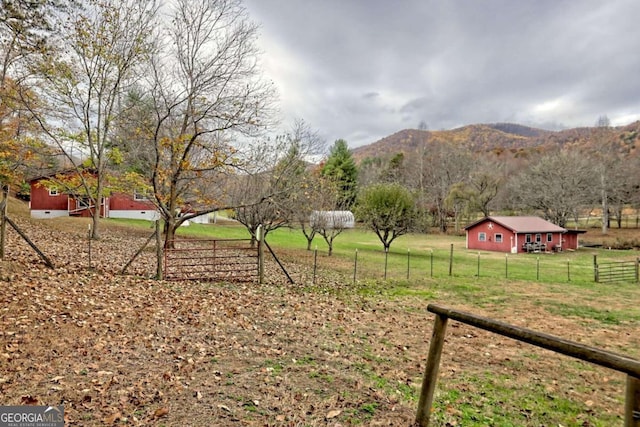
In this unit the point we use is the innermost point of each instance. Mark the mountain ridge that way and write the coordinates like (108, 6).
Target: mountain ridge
(500, 137)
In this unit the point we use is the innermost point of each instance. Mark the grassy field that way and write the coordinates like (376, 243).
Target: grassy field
(360, 345)
(358, 254)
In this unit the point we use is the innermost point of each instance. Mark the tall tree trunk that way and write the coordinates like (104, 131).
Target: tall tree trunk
(605, 203)
(95, 217)
(170, 232)
(4, 204)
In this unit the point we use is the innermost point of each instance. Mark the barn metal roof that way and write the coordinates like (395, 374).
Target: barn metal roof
(523, 224)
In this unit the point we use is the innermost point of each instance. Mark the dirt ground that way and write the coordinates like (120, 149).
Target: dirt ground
(128, 350)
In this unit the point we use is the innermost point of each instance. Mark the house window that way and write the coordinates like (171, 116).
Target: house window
(498, 237)
(538, 238)
(549, 237)
(53, 192)
(527, 238)
(482, 237)
(84, 202)
(139, 196)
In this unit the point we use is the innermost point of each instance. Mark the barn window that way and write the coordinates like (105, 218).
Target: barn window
(53, 192)
(482, 237)
(538, 237)
(498, 237)
(527, 238)
(549, 237)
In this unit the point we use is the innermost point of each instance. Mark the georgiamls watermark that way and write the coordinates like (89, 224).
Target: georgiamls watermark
(32, 416)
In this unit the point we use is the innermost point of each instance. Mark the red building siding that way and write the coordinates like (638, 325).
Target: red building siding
(491, 242)
(40, 198)
(571, 239)
(45, 205)
(125, 202)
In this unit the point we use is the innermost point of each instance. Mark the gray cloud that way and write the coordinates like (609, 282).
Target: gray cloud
(361, 70)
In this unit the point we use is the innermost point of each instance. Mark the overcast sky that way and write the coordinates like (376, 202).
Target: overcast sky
(364, 69)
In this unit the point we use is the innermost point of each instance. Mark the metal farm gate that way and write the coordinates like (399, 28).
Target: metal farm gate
(219, 260)
(616, 271)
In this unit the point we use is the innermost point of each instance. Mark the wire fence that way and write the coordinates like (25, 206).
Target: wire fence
(543, 267)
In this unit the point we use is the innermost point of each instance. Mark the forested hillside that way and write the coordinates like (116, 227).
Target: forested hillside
(458, 174)
(498, 138)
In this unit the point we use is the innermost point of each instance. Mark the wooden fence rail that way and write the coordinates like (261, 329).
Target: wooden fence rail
(579, 351)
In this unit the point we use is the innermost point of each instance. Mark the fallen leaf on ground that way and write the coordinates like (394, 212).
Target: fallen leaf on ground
(161, 412)
(333, 414)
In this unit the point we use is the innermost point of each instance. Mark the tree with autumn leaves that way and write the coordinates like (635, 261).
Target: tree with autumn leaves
(200, 94)
(25, 27)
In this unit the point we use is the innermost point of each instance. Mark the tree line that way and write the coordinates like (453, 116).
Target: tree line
(452, 183)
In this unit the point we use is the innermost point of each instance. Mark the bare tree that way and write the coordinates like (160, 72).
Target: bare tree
(625, 186)
(305, 191)
(485, 182)
(438, 168)
(477, 192)
(557, 184)
(277, 185)
(253, 209)
(206, 92)
(330, 224)
(324, 220)
(604, 154)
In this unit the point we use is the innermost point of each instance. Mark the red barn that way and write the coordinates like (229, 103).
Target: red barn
(49, 203)
(516, 234)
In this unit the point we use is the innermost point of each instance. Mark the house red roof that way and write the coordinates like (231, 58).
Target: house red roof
(523, 224)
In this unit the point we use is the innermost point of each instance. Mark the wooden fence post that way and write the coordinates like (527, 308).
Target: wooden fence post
(89, 246)
(431, 371)
(431, 262)
(506, 266)
(158, 251)
(579, 351)
(315, 264)
(355, 267)
(4, 203)
(260, 238)
(632, 402)
(451, 261)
